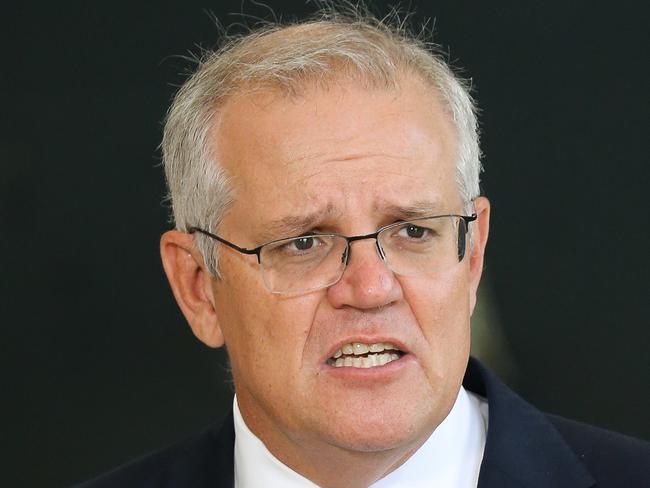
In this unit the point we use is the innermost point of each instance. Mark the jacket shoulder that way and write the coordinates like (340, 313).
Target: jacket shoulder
(204, 459)
(613, 459)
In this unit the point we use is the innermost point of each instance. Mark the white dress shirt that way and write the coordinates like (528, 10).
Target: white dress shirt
(451, 457)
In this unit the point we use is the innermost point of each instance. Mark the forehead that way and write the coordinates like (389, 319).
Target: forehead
(336, 149)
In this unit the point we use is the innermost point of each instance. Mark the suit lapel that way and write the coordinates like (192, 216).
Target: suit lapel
(523, 449)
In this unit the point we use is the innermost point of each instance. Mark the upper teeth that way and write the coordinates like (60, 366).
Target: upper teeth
(369, 361)
(359, 348)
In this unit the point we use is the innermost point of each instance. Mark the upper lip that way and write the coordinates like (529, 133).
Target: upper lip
(368, 340)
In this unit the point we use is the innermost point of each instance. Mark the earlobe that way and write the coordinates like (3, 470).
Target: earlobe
(191, 285)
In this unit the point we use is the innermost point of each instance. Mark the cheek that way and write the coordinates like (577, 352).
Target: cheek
(438, 296)
(263, 332)
(440, 305)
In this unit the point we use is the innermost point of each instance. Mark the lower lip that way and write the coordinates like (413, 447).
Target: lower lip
(385, 371)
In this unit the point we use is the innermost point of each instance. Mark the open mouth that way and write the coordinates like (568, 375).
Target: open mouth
(361, 355)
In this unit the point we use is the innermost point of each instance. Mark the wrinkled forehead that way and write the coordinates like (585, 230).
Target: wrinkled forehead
(337, 147)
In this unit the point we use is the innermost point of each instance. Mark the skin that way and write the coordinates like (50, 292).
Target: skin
(351, 155)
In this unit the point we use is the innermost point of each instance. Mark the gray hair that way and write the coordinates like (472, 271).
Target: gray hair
(289, 57)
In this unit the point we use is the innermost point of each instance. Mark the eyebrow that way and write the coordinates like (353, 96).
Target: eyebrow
(420, 208)
(295, 225)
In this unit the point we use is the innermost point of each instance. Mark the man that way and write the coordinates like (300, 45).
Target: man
(330, 234)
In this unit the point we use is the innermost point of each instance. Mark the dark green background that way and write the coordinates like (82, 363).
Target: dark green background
(98, 365)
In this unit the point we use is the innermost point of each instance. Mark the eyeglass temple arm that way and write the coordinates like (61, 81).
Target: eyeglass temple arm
(468, 218)
(242, 250)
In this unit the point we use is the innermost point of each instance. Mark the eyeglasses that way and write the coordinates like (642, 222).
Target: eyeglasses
(310, 262)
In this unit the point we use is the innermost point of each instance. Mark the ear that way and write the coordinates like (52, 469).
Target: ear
(479, 241)
(191, 285)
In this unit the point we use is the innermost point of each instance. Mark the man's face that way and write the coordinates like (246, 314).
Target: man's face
(345, 160)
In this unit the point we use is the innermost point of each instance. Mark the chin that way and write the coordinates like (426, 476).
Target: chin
(372, 430)
(382, 441)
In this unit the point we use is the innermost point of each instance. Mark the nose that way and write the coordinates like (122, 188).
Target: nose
(366, 282)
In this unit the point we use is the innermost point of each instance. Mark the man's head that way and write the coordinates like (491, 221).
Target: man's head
(337, 126)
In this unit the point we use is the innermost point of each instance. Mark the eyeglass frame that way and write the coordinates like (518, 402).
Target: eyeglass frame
(349, 239)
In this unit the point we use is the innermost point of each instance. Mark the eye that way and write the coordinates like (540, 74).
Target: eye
(302, 247)
(303, 243)
(413, 231)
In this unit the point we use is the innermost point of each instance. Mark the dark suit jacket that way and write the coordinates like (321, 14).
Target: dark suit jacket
(524, 448)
